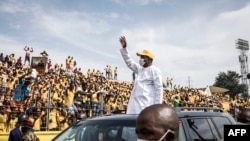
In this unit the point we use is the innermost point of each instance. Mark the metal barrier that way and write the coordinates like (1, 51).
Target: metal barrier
(90, 109)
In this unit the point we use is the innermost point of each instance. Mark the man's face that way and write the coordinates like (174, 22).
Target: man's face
(146, 59)
(25, 129)
(149, 129)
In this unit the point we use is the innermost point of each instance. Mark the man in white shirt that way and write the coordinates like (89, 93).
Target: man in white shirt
(148, 87)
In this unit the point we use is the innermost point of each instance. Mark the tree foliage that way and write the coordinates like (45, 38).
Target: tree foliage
(231, 81)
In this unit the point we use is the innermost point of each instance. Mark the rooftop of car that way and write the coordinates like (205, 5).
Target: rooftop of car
(181, 111)
(112, 117)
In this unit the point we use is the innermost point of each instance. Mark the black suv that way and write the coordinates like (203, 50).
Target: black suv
(196, 124)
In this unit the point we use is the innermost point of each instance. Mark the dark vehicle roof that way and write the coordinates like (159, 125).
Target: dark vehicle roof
(202, 112)
(181, 111)
(112, 118)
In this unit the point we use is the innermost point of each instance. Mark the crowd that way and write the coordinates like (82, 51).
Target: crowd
(65, 94)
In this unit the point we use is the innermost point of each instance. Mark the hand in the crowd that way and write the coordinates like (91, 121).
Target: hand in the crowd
(123, 41)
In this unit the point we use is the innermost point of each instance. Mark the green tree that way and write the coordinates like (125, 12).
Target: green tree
(231, 81)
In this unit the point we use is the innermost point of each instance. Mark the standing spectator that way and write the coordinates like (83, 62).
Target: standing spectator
(107, 71)
(33, 74)
(68, 61)
(110, 70)
(36, 118)
(74, 63)
(22, 91)
(115, 73)
(176, 101)
(28, 52)
(1, 57)
(69, 99)
(157, 122)
(49, 65)
(171, 83)
(53, 115)
(7, 59)
(19, 62)
(12, 60)
(168, 82)
(3, 120)
(148, 88)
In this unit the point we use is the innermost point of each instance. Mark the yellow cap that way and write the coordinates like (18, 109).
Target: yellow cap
(147, 53)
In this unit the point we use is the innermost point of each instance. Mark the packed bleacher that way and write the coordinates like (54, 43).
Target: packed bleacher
(63, 94)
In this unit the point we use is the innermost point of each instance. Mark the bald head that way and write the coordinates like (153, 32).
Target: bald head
(160, 118)
(162, 114)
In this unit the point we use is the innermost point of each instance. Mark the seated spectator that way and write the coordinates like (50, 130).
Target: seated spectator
(40, 64)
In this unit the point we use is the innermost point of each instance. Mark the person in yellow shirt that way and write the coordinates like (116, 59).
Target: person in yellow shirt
(11, 83)
(53, 116)
(69, 99)
(62, 120)
(72, 63)
(12, 121)
(68, 63)
(3, 120)
(36, 118)
(115, 73)
(110, 70)
(12, 59)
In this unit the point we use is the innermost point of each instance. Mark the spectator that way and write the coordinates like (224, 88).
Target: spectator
(68, 62)
(148, 88)
(28, 51)
(1, 57)
(115, 73)
(22, 91)
(19, 62)
(110, 71)
(49, 65)
(157, 122)
(12, 59)
(41, 64)
(107, 71)
(176, 101)
(3, 120)
(44, 53)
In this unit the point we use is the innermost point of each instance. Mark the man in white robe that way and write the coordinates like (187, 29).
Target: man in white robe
(148, 86)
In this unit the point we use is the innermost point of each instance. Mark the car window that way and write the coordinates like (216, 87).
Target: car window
(98, 133)
(200, 129)
(219, 122)
(101, 130)
(182, 136)
(68, 134)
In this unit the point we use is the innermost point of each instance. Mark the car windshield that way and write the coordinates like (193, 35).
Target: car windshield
(100, 130)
